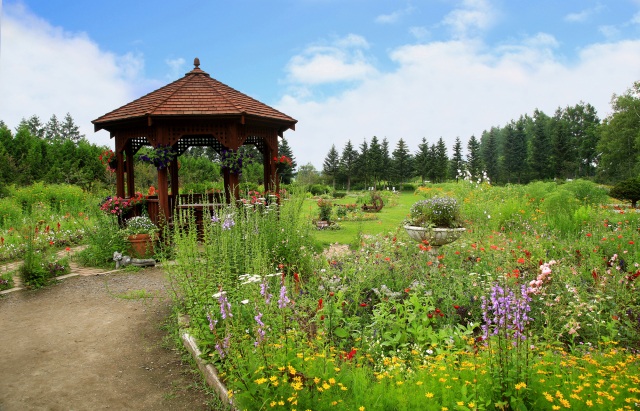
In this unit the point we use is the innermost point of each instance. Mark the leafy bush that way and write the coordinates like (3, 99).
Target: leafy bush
(587, 192)
(339, 194)
(6, 281)
(103, 240)
(319, 189)
(408, 187)
(627, 190)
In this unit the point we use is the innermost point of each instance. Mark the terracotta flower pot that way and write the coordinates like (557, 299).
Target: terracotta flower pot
(141, 245)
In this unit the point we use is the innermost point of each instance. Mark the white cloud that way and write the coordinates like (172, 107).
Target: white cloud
(393, 17)
(458, 89)
(176, 67)
(609, 32)
(473, 16)
(583, 15)
(342, 60)
(46, 70)
(420, 33)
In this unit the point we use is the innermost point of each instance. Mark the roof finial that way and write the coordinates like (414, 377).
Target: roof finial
(196, 62)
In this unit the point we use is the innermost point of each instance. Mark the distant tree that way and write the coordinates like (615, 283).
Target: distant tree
(52, 129)
(386, 161)
(285, 150)
(402, 166)
(307, 175)
(376, 160)
(34, 126)
(474, 158)
(490, 151)
(457, 165)
(562, 147)
(619, 142)
(441, 161)
(627, 190)
(364, 164)
(584, 133)
(540, 162)
(515, 151)
(421, 160)
(331, 165)
(348, 162)
(69, 130)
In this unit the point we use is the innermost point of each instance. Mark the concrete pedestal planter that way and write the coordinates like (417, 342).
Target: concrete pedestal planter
(436, 237)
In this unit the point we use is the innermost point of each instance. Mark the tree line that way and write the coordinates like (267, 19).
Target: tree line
(570, 144)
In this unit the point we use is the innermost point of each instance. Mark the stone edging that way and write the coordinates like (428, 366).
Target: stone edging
(208, 371)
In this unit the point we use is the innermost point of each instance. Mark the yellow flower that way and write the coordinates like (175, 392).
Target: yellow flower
(472, 405)
(316, 380)
(273, 404)
(261, 381)
(460, 403)
(555, 407)
(589, 403)
(419, 383)
(521, 385)
(361, 409)
(332, 381)
(444, 409)
(429, 395)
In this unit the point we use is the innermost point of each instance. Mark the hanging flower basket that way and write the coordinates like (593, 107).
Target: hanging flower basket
(161, 157)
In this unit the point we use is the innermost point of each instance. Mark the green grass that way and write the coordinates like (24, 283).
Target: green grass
(389, 219)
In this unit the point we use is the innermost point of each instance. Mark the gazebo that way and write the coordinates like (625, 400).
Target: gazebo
(195, 110)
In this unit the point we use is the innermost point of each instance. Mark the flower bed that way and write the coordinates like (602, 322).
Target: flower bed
(507, 317)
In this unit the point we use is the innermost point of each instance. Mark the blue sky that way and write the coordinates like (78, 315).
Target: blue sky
(345, 69)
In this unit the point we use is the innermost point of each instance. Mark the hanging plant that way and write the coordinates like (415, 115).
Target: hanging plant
(233, 160)
(108, 159)
(161, 156)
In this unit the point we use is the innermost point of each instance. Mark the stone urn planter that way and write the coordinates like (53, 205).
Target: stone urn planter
(141, 245)
(436, 237)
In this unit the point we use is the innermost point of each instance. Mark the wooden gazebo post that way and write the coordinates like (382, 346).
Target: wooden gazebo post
(195, 110)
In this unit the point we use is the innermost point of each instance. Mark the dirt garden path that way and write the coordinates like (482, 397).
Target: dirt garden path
(90, 342)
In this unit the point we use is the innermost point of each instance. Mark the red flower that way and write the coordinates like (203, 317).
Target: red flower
(296, 277)
(588, 234)
(363, 304)
(430, 315)
(456, 306)
(438, 310)
(631, 242)
(320, 304)
(406, 290)
(351, 354)
(520, 260)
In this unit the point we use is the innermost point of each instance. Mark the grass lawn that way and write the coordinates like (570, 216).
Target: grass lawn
(389, 219)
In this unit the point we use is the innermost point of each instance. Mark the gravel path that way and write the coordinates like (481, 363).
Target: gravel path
(92, 342)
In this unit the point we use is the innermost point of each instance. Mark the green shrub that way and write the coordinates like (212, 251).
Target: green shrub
(6, 281)
(319, 189)
(627, 190)
(103, 240)
(339, 194)
(10, 213)
(408, 187)
(587, 192)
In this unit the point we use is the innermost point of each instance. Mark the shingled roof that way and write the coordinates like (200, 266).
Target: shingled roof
(194, 95)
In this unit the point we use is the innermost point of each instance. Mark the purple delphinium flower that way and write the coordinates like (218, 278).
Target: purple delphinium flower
(261, 332)
(264, 292)
(212, 322)
(215, 218)
(505, 314)
(225, 307)
(283, 300)
(228, 223)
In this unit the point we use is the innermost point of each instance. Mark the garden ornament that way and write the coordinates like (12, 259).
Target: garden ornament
(125, 260)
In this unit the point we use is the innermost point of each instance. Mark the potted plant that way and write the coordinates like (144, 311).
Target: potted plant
(161, 156)
(435, 220)
(324, 213)
(142, 234)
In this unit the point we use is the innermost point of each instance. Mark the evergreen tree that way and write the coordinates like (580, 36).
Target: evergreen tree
(386, 161)
(491, 153)
(285, 150)
(441, 161)
(432, 170)
(474, 158)
(348, 162)
(401, 163)
(540, 162)
(34, 126)
(376, 160)
(69, 130)
(562, 149)
(52, 129)
(364, 163)
(515, 151)
(421, 160)
(331, 165)
(457, 165)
